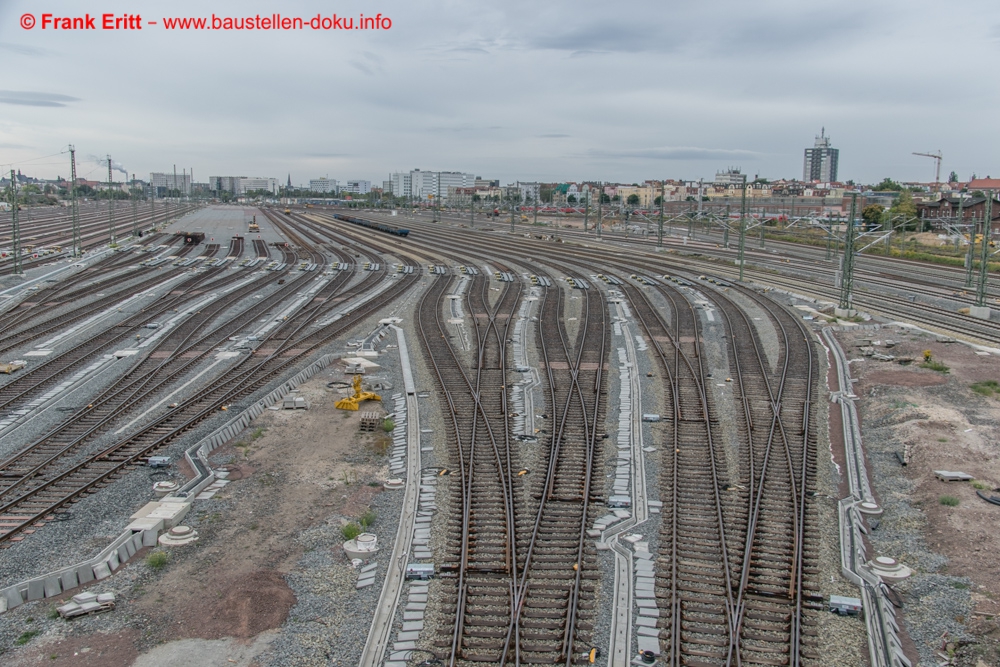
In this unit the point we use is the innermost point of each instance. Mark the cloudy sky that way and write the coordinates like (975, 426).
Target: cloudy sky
(511, 90)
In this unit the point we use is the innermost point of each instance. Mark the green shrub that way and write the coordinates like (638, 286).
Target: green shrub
(26, 637)
(350, 531)
(367, 519)
(935, 366)
(986, 387)
(950, 501)
(388, 425)
(157, 560)
(982, 486)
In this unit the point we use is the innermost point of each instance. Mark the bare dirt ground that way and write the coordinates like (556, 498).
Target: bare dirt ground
(945, 425)
(224, 594)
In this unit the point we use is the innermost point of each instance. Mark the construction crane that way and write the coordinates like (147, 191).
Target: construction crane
(937, 168)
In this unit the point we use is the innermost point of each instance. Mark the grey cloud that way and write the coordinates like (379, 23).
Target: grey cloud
(602, 37)
(465, 128)
(14, 146)
(369, 63)
(735, 34)
(327, 155)
(677, 153)
(33, 99)
(554, 136)
(23, 50)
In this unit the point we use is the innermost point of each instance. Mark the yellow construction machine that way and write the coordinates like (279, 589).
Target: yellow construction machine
(351, 402)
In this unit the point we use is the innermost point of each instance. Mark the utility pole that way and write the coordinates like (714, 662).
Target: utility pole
(763, 219)
(600, 201)
(743, 226)
(111, 205)
(586, 210)
(75, 209)
(972, 243)
(472, 210)
(659, 224)
(135, 209)
(984, 253)
(16, 225)
(510, 197)
(847, 264)
(725, 230)
(535, 202)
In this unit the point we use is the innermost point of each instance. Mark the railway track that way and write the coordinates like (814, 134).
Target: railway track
(521, 586)
(701, 524)
(251, 374)
(483, 564)
(56, 231)
(735, 555)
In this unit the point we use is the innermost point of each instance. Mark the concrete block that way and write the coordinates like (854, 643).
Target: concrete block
(136, 542)
(146, 509)
(85, 574)
(53, 586)
(146, 523)
(36, 589)
(123, 553)
(649, 644)
(413, 615)
(13, 598)
(980, 312)
(408, 636)
(149, 538)
(648, 632)
(417, 597)
(645, 622)
(69, 580)
(102, 571)
(413, 626)
(404, 646)
(113, 561)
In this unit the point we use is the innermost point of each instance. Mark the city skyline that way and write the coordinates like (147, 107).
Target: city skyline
(555, 93)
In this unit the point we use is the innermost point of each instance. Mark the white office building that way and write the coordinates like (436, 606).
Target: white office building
(256, 184)
(429, 185)
(358, 187)
(168, 182)
(729, 177)
(229, 184)
(323, 185)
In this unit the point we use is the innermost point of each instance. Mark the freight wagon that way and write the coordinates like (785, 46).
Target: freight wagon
(380, 226)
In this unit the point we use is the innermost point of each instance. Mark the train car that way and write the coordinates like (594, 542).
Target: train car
(380, 226)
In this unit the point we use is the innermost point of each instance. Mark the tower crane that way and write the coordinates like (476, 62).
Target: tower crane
(937, 168)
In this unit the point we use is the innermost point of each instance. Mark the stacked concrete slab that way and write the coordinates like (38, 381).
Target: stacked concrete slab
(397, 456)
